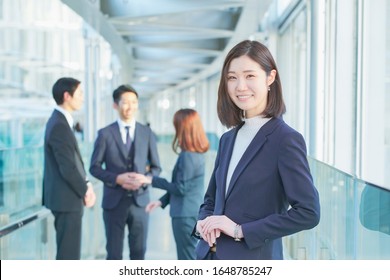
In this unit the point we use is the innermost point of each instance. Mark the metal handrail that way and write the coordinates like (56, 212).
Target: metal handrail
(40, 214)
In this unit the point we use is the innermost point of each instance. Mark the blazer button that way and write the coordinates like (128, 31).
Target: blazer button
(129, 158)
(130, 165)
(266, 240)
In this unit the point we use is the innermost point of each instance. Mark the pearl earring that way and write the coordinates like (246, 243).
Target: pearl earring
(269, 88)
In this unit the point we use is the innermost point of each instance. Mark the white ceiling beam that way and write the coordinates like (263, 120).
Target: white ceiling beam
(198, 6)
(163, 64)
(199, 51)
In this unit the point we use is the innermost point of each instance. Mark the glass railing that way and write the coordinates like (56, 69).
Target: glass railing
(27, 230)
(355, 216)
(355, 219)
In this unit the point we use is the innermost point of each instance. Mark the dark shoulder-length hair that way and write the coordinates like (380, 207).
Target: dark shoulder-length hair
(190, 135)
(229, 114)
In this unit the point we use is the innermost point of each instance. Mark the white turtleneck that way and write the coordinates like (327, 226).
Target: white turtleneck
(244, 137)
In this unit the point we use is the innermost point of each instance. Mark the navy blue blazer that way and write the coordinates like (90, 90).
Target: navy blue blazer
(271, 193)
(185, 192)
(64, 177)
(110, 151)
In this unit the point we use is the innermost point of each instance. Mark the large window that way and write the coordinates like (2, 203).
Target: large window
(291, 59)
(374, 92)
(337, 88)
(41, 41)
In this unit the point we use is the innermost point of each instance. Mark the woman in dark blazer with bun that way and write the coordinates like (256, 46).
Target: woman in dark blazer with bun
(185, 191)
(261, 188)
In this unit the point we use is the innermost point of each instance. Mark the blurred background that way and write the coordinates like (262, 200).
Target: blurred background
(334, 62)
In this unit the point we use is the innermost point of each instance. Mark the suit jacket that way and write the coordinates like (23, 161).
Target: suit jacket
(272, 175)
(110, 151)
(185, 191)
(64, 178)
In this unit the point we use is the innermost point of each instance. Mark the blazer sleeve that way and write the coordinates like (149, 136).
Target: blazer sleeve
(301, 194)
(165, 199)
(62, 143)
(153, 158)
(184, 171)
(97, 160)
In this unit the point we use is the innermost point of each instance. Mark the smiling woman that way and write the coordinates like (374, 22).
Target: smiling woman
(261, 167)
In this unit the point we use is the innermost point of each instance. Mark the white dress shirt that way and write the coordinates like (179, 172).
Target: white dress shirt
(122, 129)
(67, 115)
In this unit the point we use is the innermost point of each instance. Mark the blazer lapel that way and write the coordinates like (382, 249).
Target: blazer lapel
(225, 160)
(118, 139)
(62, 118)
(253, 148)
(77, 148)
(76, 144)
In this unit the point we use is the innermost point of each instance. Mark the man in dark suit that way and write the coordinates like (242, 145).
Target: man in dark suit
(123, 147)
(65, 187)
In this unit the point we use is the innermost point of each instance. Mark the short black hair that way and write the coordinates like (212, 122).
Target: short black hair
(116, 95)
(63, 85)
